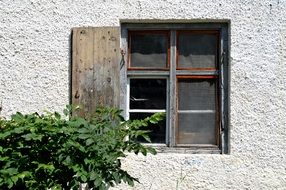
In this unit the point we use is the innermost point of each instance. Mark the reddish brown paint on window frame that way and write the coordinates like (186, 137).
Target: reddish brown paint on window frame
(152, 32)
(198, 32)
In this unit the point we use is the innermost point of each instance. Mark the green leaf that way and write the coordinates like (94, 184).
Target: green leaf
(87, 161)
(102, 187)
(93, 175)
(5, 159)
(89, 141)
(10, 171)
(66, 112)
(153, 120)
(57, 115)
(18, 130)
(14, 179)
(84, 136)
(24, 174)
(116, 177)
(146, 137)
(67, 160)
(32, 136)
(5, 135)
(17, 117)
(10, 183)
(83, 178)
(45, 167)
(77, 122)
(83, 130)
(130, 181)
(97, 182)
(152, 150)
(144, 151)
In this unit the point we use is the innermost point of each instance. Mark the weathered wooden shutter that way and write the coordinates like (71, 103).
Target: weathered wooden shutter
(95, 67)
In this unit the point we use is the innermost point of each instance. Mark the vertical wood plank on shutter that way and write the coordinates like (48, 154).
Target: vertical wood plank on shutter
(95, 67)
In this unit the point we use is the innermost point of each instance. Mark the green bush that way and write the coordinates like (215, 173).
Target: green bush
(51, 151)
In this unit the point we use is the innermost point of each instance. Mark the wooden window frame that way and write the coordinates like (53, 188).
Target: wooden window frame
(172, 73)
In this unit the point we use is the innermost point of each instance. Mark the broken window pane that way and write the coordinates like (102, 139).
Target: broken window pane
(148, 93)
(197, 50)
(149, 50)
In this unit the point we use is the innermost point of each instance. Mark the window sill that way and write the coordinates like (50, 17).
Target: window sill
(194, 149)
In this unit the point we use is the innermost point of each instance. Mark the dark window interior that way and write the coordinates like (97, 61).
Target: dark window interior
(148, 93)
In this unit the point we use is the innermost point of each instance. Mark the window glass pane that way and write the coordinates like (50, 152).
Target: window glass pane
(197, 50)
(149, 50)
(196, 94)
(196, 128)
(158, 131)
(148, 93)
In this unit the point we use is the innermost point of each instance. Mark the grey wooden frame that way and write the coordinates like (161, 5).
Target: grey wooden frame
(223, 73)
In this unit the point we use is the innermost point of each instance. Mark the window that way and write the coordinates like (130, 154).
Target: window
(180, 70)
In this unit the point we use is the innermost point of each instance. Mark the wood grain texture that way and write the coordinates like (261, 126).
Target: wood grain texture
(95, 67)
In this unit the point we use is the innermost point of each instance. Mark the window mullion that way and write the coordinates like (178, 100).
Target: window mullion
(172, 87)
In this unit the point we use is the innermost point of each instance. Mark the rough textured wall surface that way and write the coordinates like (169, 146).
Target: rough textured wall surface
(34, 75)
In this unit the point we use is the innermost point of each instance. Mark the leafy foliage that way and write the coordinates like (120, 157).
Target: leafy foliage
(51, 151)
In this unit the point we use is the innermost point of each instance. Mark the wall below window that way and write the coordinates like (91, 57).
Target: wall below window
(35, 68)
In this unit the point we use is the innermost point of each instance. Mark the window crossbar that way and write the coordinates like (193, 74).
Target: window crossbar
(196, 111)
(146, 111)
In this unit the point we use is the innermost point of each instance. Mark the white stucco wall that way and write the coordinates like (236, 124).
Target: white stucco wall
(34, 75)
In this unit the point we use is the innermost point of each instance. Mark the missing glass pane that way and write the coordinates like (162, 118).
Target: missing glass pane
(197, 50)
(158, 131)
(148, 93)
(149, 50)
